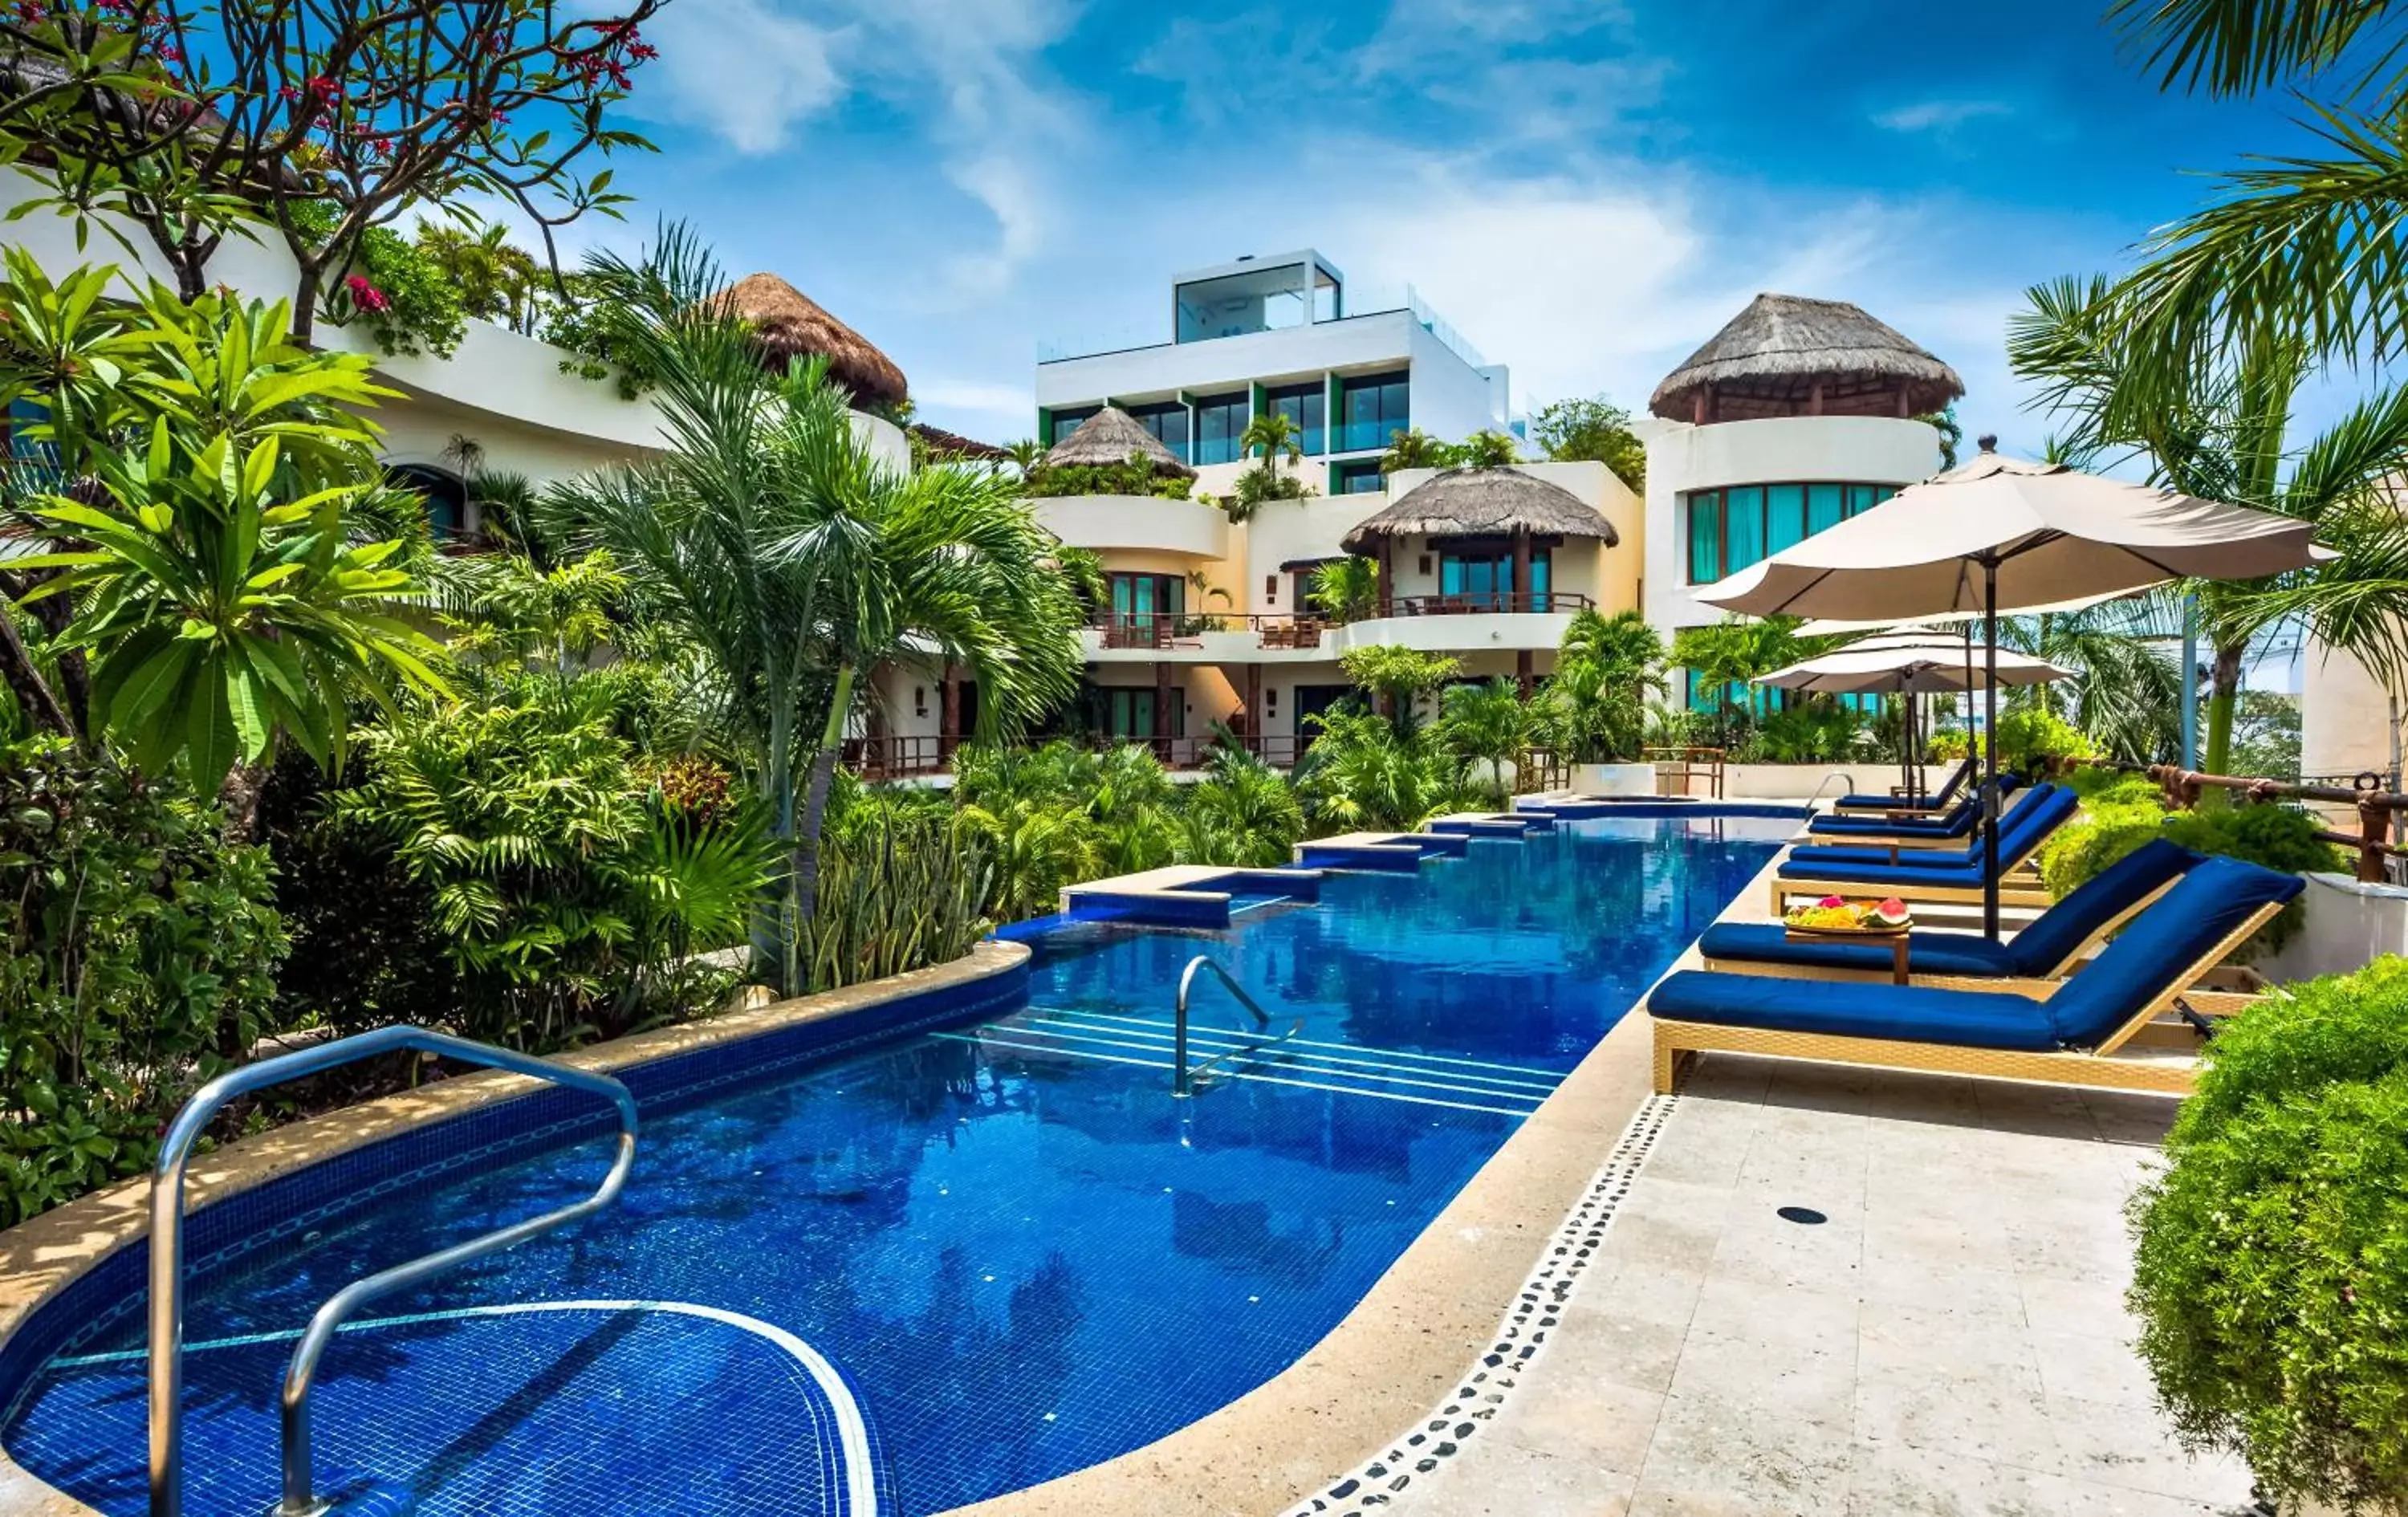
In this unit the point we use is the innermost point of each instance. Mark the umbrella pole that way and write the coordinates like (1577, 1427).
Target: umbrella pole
(1990, 748)
(1906, 774)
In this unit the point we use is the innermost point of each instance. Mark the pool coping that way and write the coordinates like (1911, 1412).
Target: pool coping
(43, 1256)
(1413, 1342)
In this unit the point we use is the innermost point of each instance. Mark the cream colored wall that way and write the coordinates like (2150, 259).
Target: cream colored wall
(1288, 531)
(2344, 716)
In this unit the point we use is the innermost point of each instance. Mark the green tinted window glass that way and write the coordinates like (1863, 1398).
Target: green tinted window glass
(1705, 537)
(1785, 514)
(1743, 523)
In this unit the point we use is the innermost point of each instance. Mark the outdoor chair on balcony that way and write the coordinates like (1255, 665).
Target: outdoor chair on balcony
(1941, 876)
(2042, 953)
(1959, 822)
(2101, 1027)
(1936, 801)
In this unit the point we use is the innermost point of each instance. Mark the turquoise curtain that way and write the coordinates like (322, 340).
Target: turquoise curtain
(1784, 510)
(1826, 507)
(1743, 519)
(1705, 537)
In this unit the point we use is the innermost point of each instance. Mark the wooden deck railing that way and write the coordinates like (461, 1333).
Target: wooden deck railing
(2379, 810)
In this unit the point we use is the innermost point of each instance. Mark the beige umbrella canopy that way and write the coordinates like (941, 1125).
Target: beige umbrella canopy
(1918, 664)
(1113, 436)
(1482, 502)
(2050, 535)
(789, 325)
(1789, 355)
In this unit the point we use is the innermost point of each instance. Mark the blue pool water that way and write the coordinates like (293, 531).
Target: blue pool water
(1020, 1252)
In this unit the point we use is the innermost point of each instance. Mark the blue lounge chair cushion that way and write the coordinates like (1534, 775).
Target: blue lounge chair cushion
(1959, 822)
(1910, 1013)
(1940, 797)
(2213, 900)
(2207, 905)
(2057, 934)
(2020, 833)
(2038, 952)
(1927, 953)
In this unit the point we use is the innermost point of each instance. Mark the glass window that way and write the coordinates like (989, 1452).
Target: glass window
(1065, 423)
(1374, 408)
(1486, 578)
(1361, 478)
(1784, 515)
(1304, 404)
(1220, 421)
(1705, 537)
(1731, 529)
(1139, 595)
(1742, 527)
(1167, 423)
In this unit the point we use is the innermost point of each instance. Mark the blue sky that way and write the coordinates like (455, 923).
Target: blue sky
(1586, 190)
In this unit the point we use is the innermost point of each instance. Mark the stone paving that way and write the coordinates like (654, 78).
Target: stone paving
(1949, 1341)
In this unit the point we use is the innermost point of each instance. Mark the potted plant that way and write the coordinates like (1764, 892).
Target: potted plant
(2272, 1275)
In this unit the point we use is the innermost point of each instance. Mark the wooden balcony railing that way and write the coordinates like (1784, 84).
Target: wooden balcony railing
(905, 758)
(1164, 629)
(1540, 602)
(2379, 810)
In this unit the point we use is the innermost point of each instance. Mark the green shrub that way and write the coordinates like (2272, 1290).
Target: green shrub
(2029, 739)
(2099, 786)
(2272, 1272)
(420, 312)
(138, 959)
(900, 887)
(2088, 844)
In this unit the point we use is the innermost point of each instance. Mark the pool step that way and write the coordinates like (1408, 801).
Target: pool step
(1342, 1068)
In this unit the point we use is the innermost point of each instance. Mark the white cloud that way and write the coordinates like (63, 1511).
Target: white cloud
(749, 71)
(1940, 116)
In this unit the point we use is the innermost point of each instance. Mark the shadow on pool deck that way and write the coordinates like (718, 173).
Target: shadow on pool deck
(1951, 1340)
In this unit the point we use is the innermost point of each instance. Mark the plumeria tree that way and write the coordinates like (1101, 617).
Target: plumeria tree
(323, 118)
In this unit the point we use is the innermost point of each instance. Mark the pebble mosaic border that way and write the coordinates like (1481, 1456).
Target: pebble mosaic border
(1377, 1485)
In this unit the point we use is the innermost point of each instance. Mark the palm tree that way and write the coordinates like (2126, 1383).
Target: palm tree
(1400, 677)
(1347, 588)
(1487, 450)
(1595, 703)
(2311, 249)
(1414, 450)
(1245, 813)
(2217, 428)
(1027, 456)
(1735, 651)
(1485, 723)
(800, 563)
(1274, 434)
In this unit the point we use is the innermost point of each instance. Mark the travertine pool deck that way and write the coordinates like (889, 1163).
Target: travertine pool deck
(1951, 1341)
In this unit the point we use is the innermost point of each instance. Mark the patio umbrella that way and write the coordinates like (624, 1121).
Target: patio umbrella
(1909, 662)
(2003, 533)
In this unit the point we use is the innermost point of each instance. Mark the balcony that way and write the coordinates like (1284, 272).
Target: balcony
(1202, 637)
(1527, 622)
(1136, 523)
(876, 759)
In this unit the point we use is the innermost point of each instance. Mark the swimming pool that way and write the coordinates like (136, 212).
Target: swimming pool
(1021, 1254)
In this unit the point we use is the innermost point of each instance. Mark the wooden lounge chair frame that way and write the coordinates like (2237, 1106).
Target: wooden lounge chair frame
(1951, 787)
(1677, 1041)
(2019, 885)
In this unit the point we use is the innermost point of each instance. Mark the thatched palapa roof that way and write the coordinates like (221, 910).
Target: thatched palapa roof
(1474, 502)
(789, 324)
(1112, 436)
(943, 444)
(1789, 355)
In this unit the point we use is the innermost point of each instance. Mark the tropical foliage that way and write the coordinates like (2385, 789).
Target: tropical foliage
(1595, 708)
(2267, 1280)
(1593, 428)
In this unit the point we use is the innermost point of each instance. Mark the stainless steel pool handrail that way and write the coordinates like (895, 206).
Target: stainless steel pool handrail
(167, 1366)
(1847, 787)
(1183, 1078)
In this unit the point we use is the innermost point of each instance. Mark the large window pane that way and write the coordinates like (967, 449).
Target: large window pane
(1705, 537)
(1065, 423)
(1362, 478)
(1862, 498)
(1168, 425)
(1742, 527)
(1220, 421)
(1826, 507)
(1375, 407)
(1785, 514)
(1304, 404)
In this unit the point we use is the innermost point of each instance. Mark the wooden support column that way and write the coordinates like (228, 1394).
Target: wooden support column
(949, 725)
(1815, 399)
(1521, 570)
(1523, 674)
(1255, 705)
(1387, 575)
(1163, 695)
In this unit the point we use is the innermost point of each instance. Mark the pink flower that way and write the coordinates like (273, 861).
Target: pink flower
(365, 295)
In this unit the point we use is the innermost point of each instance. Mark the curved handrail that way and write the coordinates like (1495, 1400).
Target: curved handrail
(166, 1305)
(1836, 774)
(1181, 1081)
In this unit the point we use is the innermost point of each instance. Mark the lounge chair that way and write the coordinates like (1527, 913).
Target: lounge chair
(1951, 826)
(2045, 952)
(2080, 1035)
(1938, 800)
(1946, 875)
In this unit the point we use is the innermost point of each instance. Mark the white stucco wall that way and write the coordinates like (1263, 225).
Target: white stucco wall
(1188, 529)
(1224, 364)
(2347, 924)
(2344, 715)
(1854, 450)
